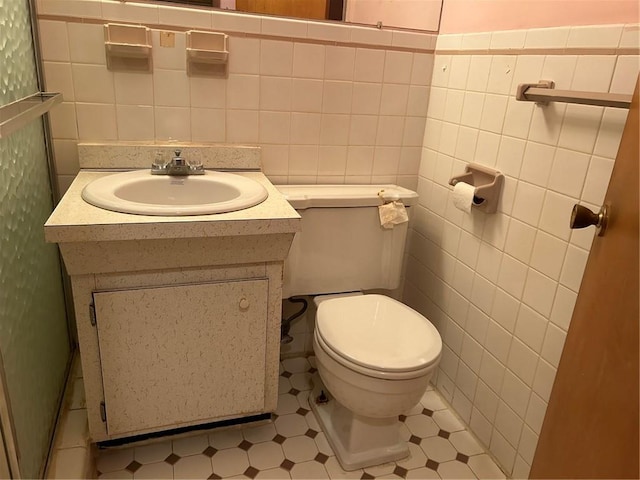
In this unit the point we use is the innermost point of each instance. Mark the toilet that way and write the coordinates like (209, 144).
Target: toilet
(375, 355)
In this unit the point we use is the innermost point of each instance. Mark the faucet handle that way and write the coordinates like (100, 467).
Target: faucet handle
(195, 160)
(177, 152)
(159, 161)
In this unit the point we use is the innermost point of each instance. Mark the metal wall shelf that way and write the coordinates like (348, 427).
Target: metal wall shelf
(17, 114)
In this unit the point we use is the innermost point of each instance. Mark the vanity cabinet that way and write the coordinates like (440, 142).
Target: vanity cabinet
(179, 345)
(178, 355)
(178, 318)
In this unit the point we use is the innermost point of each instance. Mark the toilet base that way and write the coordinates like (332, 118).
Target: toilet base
(357, 441)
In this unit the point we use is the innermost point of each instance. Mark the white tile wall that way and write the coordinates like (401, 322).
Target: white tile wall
(501, 288)
(302, 100)
(504, 308)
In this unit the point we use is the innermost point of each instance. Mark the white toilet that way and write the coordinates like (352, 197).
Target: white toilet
(375, 355)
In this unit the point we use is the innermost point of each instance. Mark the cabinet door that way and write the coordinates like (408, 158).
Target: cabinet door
(181, 355)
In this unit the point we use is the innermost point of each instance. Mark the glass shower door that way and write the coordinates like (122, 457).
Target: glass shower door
(34, 342)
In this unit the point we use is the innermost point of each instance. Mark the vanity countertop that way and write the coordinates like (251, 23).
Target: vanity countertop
(75, 220)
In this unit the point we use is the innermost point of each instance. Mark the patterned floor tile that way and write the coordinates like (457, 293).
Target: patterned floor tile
(405, 433)
(438, 449)
(323, 444)
(416, 458)
(287, 404)
(300, 449)
(230, 462)
(312, 421)
(265, 456)
(155, 452)
(210, 451)
(273, 473)
(417, 409)
(301, 381)
(152, 471)
(228, 438)
(117, 475)
(244, 445)
(484, 467)
(259, 434)
(114, 460)
(194, 466)
(464, 442)
(284, 385)
(308, 470)
(291, 425)
(380, 470)
(303, 399)
(186, 446)
(422, 473)
(335, 471)
(432, 401)
(421, 426)
(296, 365)
(455, 470)
(293, 445)
(251, 472)
(448, 421)
(133, 466)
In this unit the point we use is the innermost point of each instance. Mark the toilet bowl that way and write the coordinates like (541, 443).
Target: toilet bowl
(375, 357)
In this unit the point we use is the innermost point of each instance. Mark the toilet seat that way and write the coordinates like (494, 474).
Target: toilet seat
(377, 336)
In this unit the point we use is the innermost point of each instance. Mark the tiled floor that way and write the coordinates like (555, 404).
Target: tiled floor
(292, 446)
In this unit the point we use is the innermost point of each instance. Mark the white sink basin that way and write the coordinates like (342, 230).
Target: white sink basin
(141, 193)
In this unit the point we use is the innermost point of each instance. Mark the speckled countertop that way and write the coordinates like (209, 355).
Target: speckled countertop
(75, 220)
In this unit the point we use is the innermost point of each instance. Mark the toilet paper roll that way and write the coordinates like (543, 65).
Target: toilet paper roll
(463, 196)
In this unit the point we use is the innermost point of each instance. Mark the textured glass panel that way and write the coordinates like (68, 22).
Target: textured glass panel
(33, 329)
(17, 67)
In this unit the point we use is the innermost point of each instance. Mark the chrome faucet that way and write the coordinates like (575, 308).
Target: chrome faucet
(177, 166)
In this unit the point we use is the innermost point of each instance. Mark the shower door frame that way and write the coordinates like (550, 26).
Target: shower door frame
(66, 283)
(9, 463)
(53, 174)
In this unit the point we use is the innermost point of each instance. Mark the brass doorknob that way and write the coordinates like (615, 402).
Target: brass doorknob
(582, 217)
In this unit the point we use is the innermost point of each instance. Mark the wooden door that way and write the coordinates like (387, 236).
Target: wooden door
(313, 9)
(591, 426)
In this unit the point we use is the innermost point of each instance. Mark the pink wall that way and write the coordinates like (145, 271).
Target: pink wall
(459, 16)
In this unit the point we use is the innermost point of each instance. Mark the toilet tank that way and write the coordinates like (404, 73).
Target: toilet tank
(342, 246)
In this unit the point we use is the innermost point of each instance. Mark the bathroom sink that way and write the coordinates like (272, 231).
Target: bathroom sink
(141, 193)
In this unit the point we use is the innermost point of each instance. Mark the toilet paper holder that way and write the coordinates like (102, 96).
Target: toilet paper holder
(488, 183)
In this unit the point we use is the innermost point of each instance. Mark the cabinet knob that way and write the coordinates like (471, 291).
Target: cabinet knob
(244, 303)
(582, 217)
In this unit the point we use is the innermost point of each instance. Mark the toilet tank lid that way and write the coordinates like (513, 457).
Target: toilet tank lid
(308, 196)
